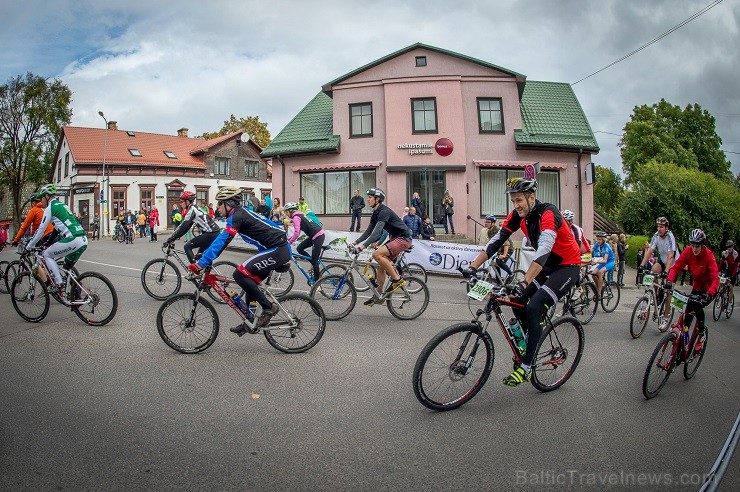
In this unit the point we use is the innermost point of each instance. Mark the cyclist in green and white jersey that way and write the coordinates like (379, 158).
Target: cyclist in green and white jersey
(72, 240)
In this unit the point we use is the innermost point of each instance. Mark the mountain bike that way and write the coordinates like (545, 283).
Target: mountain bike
(161, 278)
(24, 264)
(581, 301)
(723, 302)
(280, 283)
(677, 347)
(648, 304)
(189, 324)
(491, 275)
(450, 371)
(337, 294)
(91, 296)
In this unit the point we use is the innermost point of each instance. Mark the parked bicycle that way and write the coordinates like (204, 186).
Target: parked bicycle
(450, 371)
(677, 347)
(189, 324)
(280, 283)
(723, 302)
(648, 307)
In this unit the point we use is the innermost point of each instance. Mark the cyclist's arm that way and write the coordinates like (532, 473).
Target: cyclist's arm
(499, 239)
(374, 235)
(367, 233)
(217, 246)
(679, 265)
(32, 214)
(296, 228)
(45, 221)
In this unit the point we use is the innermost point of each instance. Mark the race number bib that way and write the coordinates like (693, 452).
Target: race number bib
(647, 279)
(480, 290)
(679, 301)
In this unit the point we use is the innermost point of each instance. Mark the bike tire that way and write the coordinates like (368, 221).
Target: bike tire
(121, 237)
(561, 342)
(694, 361)
(173, 318)
(640, 317)
(279, 283)
(442, 378)
(410, 301)
(102, 297)
(717, 306)
(298, 326)
(659, 367)
(336, 295)
(11, 271)
(730, 306)
(30, 297)
(4, 288)
(610, 301)
(161, 279)
(333, 269)
(584, 307)
(224, 269)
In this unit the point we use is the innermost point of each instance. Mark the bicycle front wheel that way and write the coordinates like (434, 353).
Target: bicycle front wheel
(558, 354)
(449, 371)
(336, 295)
(640, 317)
(730, 306)
(121, 237)
(409, 301)
(223, 269)
(30, 297)
(696, 356)
(718, 304)
(279, 283)
(584, 303)
(610, 297)
(101, 299)
(298, 326)
(4, 287)
(186, 325)
(161, 279)
(660, 366)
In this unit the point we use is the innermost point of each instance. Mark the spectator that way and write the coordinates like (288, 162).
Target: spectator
(96, 227)
(418, 204)
(614, 243)
(211, 211)
(413, 222)
(254, 201)
(175, 216)
(356, 204)
(302, 205)
(405, 212)
(490, 228)
(268, 200)
(153, 223)
(278, 214)
(141, 223)
(622, 248)
(640, 256)
(263, 210)
(3, 235)
(427, 229)
(448, 210)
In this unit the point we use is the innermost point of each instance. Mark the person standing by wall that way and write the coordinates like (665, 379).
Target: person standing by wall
(356, 204)
(153, 223)
(302, 205)
(448, 211)
(427, 229)
(417, 202)
(141, 222)
(622, 247)
(413, 222)
(614, 243)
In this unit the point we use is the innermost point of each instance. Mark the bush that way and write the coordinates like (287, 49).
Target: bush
(634, 243)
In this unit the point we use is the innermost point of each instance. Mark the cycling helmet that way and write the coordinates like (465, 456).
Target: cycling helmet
(697, 236)
(49, 189)
(662, 221)
(521, 185)
(568, 215)
(187, 196)
(230, 195)
(491, 217)
(600, 234)
(33, 198)
(377, 193)
(290, 206)
(729, 243)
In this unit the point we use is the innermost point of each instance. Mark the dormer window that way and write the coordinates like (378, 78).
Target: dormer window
(134, 152)
(131, 133)
(421, 61)
(169, 154)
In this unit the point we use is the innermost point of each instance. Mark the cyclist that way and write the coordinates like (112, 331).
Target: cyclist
(664, 243)
(72, 238)
(272, 246)
(704, 274)
(194, 217)
(384, 219)
(602, 259)
(577, 231)
(314, 236)
(729, 266)
(553, 271)
(32, 222)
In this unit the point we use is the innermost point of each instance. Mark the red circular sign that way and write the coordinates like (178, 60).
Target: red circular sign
(443, 146)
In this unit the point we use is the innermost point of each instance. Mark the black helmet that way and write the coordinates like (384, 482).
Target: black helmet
(600, 234)
(521, 185)
(491, 217)
(377, 193)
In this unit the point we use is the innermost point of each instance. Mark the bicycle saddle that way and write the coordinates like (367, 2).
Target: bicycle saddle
(326, 247)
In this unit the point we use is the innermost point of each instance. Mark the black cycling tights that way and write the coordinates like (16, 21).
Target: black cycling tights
(315, 253)
(201, 242)
(694, 308)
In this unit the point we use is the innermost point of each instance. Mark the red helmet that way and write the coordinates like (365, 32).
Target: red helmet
(187, 195)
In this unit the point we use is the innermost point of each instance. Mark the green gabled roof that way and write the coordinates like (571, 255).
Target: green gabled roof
(553, 117)
(311, 131)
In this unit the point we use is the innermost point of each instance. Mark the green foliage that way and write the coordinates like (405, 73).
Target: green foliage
(687, 197)
(667, 134)
(634, 243)
(252, 125)
(608, 192)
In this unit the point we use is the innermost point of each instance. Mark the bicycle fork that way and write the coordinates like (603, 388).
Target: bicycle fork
(459, 368)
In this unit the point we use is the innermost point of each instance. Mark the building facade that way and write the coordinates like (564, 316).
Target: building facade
(426, 120)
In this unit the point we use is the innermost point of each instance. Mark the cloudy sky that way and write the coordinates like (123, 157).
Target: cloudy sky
(156, 65)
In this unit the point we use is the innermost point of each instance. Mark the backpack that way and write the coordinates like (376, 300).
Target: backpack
(313, 218)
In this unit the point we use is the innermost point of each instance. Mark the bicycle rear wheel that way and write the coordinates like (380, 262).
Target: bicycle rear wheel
(161, 279)
(298, 326)
(223, 269)
(409, 301)
(718, 304)
(11, 271)
(640, 317)
(730, 306)
(696, 356)
(186, 325)
(30, 297)
(449, 370)
(659, 367)
(4, 288)
(101, 299)
(279, 283)
(584, 303)
(336, 295)
(558, 354)
(610, 296)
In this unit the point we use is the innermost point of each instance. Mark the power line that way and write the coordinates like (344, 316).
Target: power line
(655, 40)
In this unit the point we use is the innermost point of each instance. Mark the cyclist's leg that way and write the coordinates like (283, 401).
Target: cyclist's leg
(63, 247)
(382, 257)
(386, 255)
(598, 273)
(201, 242)
(302, 247)
(318, 242)
(503, 266)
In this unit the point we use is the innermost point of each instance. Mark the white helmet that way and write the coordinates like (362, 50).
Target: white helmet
(568, 215)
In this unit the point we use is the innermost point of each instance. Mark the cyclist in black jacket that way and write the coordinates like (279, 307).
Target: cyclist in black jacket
(193, 216)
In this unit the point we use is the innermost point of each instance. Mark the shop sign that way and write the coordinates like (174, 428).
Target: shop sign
(443, 146)
(417, 149)
(82, 191)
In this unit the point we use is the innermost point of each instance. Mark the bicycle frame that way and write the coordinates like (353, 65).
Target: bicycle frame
(309, 276)
(70, 280)
(681, 348)
(354, 267)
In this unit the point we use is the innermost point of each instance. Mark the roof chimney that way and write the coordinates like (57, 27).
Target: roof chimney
(182, 132)
(112, 125)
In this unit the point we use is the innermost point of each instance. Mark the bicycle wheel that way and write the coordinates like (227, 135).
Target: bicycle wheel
(121, 236)
(695, 357)
(223, 269)
(11, 271)
(187, 326)
(4, 289)
(718, 304)
(30, 297)
(279, 283)
(583, 303)
(336, 295)
(640, 317)
(659, 367)
(610, 297)
(730, 306)
(298, 326)
(161, 279)
(448, 371)
(101, 299)
(558, 354)
(333, 269)
(409, 301)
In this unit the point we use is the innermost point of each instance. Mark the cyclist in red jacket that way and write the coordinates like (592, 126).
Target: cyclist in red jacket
(728, 265)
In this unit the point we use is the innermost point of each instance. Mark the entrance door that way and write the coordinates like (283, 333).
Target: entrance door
(431, 187)
(84, 206)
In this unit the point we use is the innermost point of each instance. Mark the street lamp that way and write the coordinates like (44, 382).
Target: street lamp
(104, 195)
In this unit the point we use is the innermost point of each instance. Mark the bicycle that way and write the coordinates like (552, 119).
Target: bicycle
(675, 348)
(492, 275)
(648, 302)
(91, 296)
(723, 302)
(280, 283)
(24, 264)
(161, 278)
(578, 301)
(337, 294)
(189, 324)
(446, 375)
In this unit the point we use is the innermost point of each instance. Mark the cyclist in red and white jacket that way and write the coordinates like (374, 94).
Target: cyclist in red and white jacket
(704, 275)
(729, 264)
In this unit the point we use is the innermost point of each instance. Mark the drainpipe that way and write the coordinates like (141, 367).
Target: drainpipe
(282, 163)
(580, 188)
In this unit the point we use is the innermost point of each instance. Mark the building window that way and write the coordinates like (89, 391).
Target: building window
(134, 152)
(251, 168)
(201, 196)
(361, 120)
(169, 154)
(66, 164)
(119, 201)
(424, 115)
(490, 116)
(222, 166)
(493, 184)
(421, 61)
(147, 198)
(330, 192)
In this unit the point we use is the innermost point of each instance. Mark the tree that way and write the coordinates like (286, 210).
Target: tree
(252, 125)
(32, 114)
(608, 192)
(667, 134)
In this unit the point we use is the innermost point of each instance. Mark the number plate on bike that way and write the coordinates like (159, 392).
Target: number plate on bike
(648, 279)
(480, 290)
(678, 302)
(723, 280)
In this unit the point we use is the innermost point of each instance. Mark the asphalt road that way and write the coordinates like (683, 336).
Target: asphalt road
(113, 408)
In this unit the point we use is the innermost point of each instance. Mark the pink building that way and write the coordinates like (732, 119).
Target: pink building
(427, 120)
